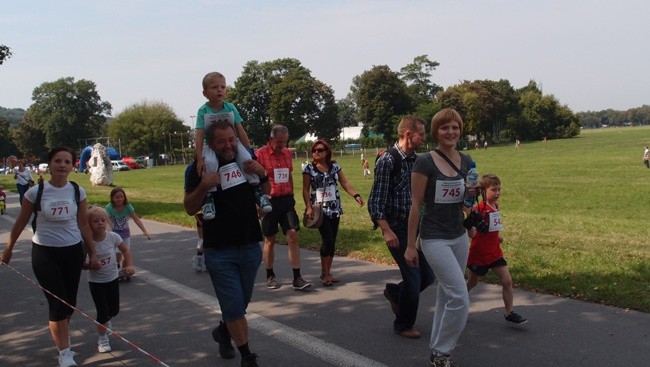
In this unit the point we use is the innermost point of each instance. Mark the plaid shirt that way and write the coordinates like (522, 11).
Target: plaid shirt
(390, 198)
(270, 161)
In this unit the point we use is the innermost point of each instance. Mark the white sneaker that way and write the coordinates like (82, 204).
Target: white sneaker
(197, 263)
(66, 358)
(208, 209)
(103, 344)
(265, 204)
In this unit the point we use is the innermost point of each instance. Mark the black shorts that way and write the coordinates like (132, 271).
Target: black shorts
(481, 270)
(283, 214)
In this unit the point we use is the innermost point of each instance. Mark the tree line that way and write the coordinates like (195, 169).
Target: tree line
(71, 112)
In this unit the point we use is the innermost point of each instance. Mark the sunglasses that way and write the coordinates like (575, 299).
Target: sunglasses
(319, 150)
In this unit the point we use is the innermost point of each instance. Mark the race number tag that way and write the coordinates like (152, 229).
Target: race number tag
(231, 175)
(211, 118)
(495, 222)
(281, 175)
(325, 195)
(449, 192)
(58, 210)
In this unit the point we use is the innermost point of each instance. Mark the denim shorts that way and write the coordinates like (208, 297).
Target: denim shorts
(233, 271)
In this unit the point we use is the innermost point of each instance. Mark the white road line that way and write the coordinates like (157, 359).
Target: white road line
(321, 349)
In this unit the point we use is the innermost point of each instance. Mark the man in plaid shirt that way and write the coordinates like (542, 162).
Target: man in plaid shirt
(389, 205)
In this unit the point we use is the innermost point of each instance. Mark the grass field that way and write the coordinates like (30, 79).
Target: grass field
(575, 213)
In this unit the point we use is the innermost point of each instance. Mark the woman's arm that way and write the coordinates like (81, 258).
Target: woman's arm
(86, 233)
(347, 186)
(418, 187)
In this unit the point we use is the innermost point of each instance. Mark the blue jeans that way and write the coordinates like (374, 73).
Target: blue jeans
(232, 271)
(414, 281)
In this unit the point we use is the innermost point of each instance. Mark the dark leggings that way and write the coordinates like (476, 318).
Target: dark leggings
(21, 192)
(328, 231)
(107, 299)
(58, 269)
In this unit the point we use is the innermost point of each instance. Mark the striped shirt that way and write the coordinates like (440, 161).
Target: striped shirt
(390, 198)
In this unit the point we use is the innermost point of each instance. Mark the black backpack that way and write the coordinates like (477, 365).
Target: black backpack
(39, 194)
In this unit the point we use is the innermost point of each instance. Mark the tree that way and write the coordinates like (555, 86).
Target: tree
(7, 146)
(5, 53)
(381, 98)
(347, 112)
(29, 138)
(67, 112)
(283, 91)
(417, 76)
(147, 128)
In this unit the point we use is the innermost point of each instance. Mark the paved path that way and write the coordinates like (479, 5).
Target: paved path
(168, 310)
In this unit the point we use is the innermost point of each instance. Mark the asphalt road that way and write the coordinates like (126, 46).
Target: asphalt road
(168, 312)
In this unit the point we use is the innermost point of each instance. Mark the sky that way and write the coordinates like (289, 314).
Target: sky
(591, 55)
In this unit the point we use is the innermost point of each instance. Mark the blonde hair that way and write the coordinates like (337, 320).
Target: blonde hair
(444, 116)
(98, 211)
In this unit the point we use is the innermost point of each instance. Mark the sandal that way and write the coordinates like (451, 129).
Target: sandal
(327, 279)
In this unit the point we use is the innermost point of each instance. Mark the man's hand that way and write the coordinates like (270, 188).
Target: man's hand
(390, 238)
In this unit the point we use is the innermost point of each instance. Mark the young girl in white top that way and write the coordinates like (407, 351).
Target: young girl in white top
(103, 282)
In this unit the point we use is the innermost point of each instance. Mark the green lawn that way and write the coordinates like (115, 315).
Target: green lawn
(575, 213)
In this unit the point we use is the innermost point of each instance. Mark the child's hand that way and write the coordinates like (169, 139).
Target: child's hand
(146, 235)
(129, 271)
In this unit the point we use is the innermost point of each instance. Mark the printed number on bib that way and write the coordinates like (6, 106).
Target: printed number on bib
(281, 175)
(231, 175)
(327, 194)
(59, 210)
(495, 222)
(449, 192)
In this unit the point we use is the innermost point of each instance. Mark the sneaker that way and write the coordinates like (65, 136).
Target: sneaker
(265, 204)
(300, 284)
(66, 358)
(197, 261)
(220, 335)
(442, 361)
(272, 283)
(515, 318)
(249, 361)
(103, 344)
(208, 208)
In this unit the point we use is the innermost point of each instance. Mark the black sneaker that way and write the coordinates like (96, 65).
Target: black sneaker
(249, 361)
(226, 350)
(515, 318)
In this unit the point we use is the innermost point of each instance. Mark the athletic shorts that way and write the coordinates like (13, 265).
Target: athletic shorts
(481, 270)
(283, 214)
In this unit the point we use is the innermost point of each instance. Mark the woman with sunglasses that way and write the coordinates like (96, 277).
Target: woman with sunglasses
(320, 185)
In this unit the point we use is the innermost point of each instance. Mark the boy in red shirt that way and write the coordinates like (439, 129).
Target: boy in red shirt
(485, 251)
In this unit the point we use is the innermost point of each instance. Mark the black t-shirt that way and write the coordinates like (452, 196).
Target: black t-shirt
(235, 222)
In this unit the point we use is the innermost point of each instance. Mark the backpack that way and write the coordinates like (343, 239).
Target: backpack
(39, 194)
(397, 167)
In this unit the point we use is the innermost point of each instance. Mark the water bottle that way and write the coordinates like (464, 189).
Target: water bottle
(470, 181)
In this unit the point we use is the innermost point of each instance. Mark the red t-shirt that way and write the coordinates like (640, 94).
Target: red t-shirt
(485, 248)
(279, 168)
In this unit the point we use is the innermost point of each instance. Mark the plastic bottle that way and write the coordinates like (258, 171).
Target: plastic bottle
(470, 181)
